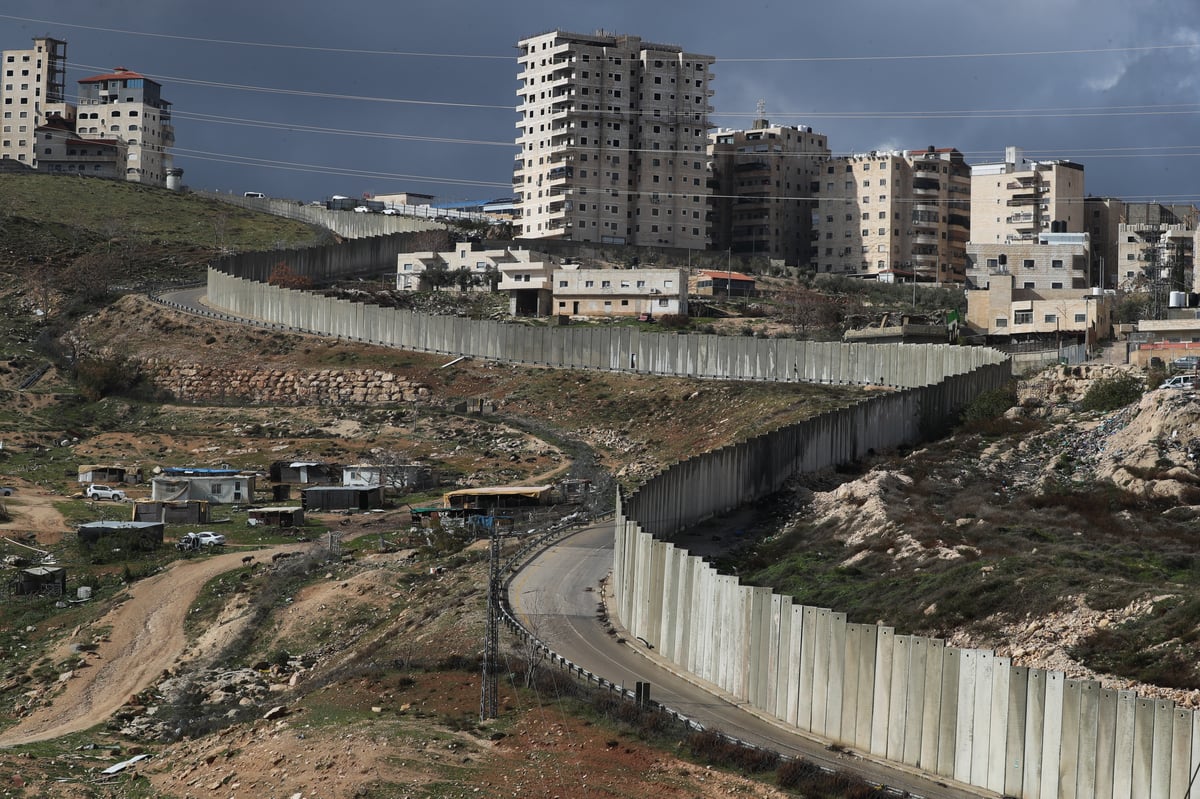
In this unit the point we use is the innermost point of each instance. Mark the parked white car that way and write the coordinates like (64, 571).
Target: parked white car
(97, 491)
(1179, 383)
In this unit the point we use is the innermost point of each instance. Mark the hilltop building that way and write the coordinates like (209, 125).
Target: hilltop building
(612, 137)
(762, 182)
(120, 127)
(33, 92)
(894, 216)
(129, 107)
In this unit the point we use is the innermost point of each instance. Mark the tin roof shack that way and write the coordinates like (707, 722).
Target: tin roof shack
(107, 475)
(292, 516)
(40, 580)
(487, 499)
(186, 511)
(403, 477)
(143, 536)
(220, 486)
(324, 498)
(305, 473)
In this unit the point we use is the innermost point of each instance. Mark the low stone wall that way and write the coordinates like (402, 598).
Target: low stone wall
(193, 383)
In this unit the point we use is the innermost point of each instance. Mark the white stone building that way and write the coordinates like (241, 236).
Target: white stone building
(612, 135)
(620, 292)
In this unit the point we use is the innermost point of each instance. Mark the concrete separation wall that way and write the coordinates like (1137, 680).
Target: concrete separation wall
(960, 714)
(344, 223)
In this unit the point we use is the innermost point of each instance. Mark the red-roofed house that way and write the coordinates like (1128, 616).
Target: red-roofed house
(128, 107)
(722, 282)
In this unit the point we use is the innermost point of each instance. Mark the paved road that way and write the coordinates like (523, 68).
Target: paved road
(557, 595)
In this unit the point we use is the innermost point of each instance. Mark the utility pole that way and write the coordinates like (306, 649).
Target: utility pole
(491, 641)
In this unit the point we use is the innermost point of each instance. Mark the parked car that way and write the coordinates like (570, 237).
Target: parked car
(1186, 363)
(6, 491)
(362, 209)
(97, 491)
(194, 541)
(390, 212)
(1179, 383)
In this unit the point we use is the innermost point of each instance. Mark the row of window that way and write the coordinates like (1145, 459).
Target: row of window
(1026, 318)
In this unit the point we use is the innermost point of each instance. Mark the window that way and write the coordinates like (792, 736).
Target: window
(589, 284)
(1050, 319)
(1056, 285)
(1080, 318)
(1022, 317)
(1056, 263)
(604, 284)
(1027, 263)
(562, 284)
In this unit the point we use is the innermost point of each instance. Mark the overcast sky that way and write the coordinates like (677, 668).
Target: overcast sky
(420, 95)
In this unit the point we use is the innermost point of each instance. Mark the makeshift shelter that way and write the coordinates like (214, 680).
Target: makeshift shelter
(140, 535)
(322, 498)
(490, 498)
(399, 476)
(304, 472)
(231, 488)
(186, 511)
(292, 516)
(108, 474)
(51, 580)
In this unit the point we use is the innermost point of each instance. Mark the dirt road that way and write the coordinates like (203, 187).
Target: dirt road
(147, 638)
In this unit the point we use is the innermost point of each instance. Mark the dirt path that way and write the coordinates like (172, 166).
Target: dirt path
(32, 510)
(147, 638)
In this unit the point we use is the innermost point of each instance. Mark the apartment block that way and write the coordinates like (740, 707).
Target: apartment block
(1017, 199)
(1156, 246)
(33, 91)
(894, 216)
(1056, 261)
(762, 181)
(612, 134)
(1103, 217)
(127, 106)
(62, 151)
(620, 292)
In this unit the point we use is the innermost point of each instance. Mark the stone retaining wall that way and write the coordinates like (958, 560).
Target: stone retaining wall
(194, 383)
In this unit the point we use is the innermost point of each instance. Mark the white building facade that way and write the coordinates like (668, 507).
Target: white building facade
(612, 137)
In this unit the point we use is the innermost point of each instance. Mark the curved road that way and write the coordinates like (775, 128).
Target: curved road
(556, 597)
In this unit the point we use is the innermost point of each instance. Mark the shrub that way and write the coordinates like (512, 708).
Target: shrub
(990, 404)
(1111, 393)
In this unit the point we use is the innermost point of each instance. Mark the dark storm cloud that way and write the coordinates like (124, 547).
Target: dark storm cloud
(1054, 104)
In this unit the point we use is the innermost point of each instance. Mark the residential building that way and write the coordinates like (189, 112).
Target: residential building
(1017, 199)
(894, 216)
(1156, 247)
(33, 91)
(1028, 291)
(762, 179)
(514, 271)
(620, 292)
(129, 107)
(1102, 219)
(612, 137)
(61, 150)
(721, 282)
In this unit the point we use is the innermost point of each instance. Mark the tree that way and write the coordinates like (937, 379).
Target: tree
(283, 276)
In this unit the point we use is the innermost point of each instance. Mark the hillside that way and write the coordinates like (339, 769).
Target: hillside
(1051, 534)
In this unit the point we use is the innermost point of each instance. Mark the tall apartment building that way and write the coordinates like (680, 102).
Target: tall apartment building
(1017, 199)
(762, 181)
(129, 107)
(1103, 217)
(894, 216)
(34, 89)
(1156, 247)
(612, 136)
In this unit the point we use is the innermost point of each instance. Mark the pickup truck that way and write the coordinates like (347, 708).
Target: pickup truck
(97, 491)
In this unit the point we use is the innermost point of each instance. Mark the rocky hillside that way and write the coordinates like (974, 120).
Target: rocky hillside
(1064, 539)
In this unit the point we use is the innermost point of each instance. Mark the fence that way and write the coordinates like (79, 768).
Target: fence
(345, 223)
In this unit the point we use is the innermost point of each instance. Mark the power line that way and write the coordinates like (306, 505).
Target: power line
(297, 92)
(724, 59)
(302, 128)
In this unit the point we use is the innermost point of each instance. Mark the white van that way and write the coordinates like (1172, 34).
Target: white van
(257, 194)
(1179, 382)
